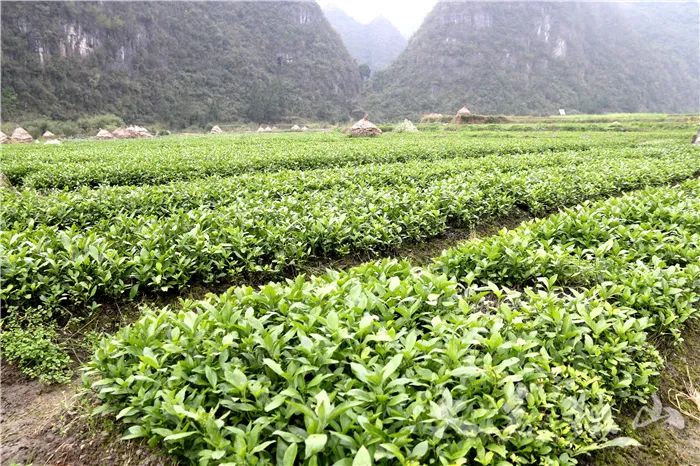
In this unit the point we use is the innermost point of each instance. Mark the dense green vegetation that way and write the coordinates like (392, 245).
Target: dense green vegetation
(390, 364)
(517, 348)
(537, 57)
(72, 249)
(63, 62)
(182, 64)
(161, 160)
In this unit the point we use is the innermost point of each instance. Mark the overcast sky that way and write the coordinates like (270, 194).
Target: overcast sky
(407, 15)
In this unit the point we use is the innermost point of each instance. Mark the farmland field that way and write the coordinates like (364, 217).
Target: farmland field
(516, 348)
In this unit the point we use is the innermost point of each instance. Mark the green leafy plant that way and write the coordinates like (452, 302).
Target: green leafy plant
(388, 363)
(75, 249)
(36, 353)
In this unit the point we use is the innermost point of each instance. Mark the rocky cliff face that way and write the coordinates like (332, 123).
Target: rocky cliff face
(179, 62)
(537, 57)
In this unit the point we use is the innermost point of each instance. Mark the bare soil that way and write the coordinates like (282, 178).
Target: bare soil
(49, 425)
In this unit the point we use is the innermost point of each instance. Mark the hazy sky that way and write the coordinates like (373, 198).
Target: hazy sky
(407, 15)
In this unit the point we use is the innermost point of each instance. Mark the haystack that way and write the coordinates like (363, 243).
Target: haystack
(406, 126)
(104, 134)
(268, 129)
(131, 132)
(364, 128)
(260, 129)
(3, 138)
(463, 111)
(121, 133)
(304, 128)
(296, 128)
(48, 135)
(52, 142)
(139, 131)
(20, 135)
(216, 130)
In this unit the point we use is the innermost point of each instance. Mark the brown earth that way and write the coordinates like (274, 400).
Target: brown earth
(49, 425)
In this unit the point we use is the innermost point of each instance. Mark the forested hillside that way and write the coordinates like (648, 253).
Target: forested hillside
(180, 63)
(537, 57)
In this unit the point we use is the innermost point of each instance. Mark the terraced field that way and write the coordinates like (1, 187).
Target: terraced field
(518, 348)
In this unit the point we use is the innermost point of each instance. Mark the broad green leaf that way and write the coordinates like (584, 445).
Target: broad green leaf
(362, 458)
(314, 444)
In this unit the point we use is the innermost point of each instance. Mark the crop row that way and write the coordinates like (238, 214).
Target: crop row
(45, 267)
(49, 267)
(87, 206)
(139, 162)
(391, 364)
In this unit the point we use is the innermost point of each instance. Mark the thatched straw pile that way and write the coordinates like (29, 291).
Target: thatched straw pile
(463, 115)
(139, 131)
(364, 128)
(48, 135)
(104, 134)
(3, 138)
(131, 132)
(296, 128)
(216, 130)
(121, 133)
(20, 135)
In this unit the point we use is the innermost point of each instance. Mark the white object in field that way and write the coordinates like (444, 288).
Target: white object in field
(562, 112)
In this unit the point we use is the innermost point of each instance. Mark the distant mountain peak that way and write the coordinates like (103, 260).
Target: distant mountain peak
(375, 44)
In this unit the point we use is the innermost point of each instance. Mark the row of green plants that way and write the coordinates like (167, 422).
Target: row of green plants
(516, 349)
(161, 160)
(47, 269)
(87, 206)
